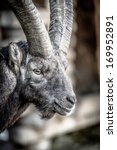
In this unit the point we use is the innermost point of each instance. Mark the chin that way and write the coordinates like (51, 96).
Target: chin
(47, 115)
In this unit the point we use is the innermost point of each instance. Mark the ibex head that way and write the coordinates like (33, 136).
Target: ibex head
(40, 69)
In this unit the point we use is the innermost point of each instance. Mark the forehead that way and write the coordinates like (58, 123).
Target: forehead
(40, 62)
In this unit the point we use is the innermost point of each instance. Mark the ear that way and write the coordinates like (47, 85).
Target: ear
(15, 57)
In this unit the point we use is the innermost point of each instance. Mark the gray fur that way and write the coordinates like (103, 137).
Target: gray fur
(27, 78)
(50, 91)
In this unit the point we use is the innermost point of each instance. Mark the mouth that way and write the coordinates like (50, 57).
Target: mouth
(59, 107)
(63, 110)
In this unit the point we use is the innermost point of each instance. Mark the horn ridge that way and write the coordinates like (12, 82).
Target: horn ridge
(33, 27)
(61, 23)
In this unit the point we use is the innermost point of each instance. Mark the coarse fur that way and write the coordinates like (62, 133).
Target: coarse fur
(26, 79)
(33, 72)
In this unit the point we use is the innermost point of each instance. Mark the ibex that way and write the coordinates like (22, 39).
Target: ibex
(34, 71)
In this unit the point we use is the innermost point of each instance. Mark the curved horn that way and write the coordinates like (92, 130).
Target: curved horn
(61, 23)
(33, 27)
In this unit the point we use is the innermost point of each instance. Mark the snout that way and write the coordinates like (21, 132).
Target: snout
(65, 106)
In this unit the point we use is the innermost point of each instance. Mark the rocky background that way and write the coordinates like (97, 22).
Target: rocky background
(81, 130)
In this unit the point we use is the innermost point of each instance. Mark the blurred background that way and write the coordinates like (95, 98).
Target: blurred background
(81, 130)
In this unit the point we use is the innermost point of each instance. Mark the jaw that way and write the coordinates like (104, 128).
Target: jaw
(48, 104)
(48, 113)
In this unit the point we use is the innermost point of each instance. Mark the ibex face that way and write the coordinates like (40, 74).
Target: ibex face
(35, 72)
(43, 82)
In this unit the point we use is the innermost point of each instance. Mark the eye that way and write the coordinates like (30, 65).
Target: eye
(37, 71)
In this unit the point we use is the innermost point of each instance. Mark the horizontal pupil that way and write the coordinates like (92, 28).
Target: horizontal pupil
(37, 71)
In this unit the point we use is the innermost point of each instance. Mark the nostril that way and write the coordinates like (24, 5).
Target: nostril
(71, 99)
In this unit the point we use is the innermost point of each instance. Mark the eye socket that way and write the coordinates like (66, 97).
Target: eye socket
(37, 71)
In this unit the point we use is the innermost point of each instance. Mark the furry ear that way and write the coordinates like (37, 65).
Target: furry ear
(15, 57)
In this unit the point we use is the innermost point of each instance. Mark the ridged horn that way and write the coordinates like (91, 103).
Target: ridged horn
(33, 26)
(61, 20)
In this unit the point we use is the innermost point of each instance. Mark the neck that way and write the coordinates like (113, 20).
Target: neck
(11, 104)
(11, 110)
